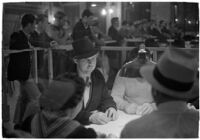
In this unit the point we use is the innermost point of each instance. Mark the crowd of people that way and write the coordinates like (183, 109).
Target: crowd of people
(79, 94)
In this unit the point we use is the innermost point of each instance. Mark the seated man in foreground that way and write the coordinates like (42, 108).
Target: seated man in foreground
(130, 91)
(172, 80)
(98, 106)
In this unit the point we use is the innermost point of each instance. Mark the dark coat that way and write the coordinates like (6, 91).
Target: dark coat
(19, 65)
(99, 98)
(114, 34)
(80, 31)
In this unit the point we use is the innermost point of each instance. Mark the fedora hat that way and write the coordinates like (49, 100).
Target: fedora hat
(174, 73)
(57, 94)
(84, 48)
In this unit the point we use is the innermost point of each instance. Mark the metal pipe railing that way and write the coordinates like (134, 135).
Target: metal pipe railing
(103, 49)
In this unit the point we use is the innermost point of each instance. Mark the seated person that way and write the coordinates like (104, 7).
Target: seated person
(172, 81)
(59, 104)
(99, 107)
(130, 91)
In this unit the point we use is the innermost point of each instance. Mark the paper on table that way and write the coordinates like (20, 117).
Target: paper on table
(114, 127)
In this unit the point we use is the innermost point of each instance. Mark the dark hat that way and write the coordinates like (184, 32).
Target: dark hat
(84, 48)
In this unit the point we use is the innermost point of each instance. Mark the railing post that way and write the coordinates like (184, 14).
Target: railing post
(50, 65)
(155, 57)
(123, 57)
(35, 65)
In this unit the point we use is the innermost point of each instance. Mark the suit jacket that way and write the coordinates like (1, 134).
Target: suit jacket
(80, 31)
(172, 120)
(99, 98)
(114, 34)
(19, 64)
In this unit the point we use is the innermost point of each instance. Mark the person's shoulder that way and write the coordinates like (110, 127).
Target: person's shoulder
(16, 34)
(97, 74)
(138, 126)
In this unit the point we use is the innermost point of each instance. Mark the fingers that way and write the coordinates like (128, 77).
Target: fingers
(109, 113)
(99, 118)
(103, 119)
(112, 114)
(144, 109)
(115, 116)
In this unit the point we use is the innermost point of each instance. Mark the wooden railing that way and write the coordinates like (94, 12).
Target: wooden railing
(123, 50)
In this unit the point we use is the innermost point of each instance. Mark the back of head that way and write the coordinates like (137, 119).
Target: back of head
(27, 19)
(87, 13)
(40, 18)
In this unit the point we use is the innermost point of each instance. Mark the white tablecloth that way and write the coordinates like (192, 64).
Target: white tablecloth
(114, 127)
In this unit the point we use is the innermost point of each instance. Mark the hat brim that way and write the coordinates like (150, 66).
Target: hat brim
(87, 55)
(147, 73)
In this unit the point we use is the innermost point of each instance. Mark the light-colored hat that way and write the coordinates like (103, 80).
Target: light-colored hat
(174, 73)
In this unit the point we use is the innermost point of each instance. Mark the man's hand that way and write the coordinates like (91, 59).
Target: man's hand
(146, 108)
(99, 118)
(131, 108)
(111, 114)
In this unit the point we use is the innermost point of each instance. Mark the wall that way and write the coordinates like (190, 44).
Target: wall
(160, 11)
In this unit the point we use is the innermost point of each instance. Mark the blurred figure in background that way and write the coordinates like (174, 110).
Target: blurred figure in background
(83, 28)
(39, 38)
(60, 32)
(125, 30)
(113, 31)
(19, 68)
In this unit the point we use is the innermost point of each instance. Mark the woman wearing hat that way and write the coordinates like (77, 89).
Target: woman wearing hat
(59, 105)
(98, 105)
(173, 81)
(131, 91)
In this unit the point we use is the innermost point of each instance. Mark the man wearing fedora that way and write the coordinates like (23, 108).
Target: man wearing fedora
(172, 81)
(98, 106)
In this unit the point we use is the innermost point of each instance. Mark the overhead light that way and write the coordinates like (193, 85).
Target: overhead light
(189, 22)
(176, 20)
(103, 12)
(110, 11)
(93, 5)
(51, 19)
